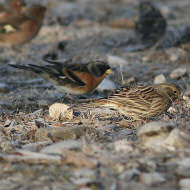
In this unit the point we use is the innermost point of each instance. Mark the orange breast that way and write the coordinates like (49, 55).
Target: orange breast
(90, 81)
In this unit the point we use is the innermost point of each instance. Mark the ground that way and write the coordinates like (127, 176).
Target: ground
(100, 149)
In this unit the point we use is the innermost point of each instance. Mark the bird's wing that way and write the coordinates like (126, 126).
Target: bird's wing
(7, 29)
(55, 72)
(66, 71)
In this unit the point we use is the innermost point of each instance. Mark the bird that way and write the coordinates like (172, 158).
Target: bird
(151, 25)
(140, 102)
(71, 78)
(10, 9)
(23, 27)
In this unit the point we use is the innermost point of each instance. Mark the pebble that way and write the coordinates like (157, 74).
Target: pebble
(187, 101)
(175, 54)
(152, 178)
(36, 145)
(161, 136)
(129, 174)
(85, 173)
(7, 123)
(184, 184)
(172, 110)
(59, 111)
(124, 133)
(57, 148)
(155, 129)
(107, 128)
(178, 73)
(83, 182)
(178, 139)
(4, 88)
(41, 124)
(6, 145)
(115, 60)
(159, 79)
(66, 133)
(183, 167)
(123, 146)
(106, 84)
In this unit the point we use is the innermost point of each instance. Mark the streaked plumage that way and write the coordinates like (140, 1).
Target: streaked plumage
(72, 78)
(141, 102)
(151, 25)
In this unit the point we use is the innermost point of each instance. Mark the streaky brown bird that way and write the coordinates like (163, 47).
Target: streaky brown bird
(23, 27)
(141, 102)
(72, 78)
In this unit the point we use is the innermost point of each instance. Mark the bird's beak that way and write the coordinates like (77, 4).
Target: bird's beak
(109, 71)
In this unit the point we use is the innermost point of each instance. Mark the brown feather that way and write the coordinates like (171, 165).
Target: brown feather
(141, 102)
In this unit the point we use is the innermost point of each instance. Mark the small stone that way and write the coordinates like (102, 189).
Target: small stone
(107, 128)
(66, 133)
(85, 173)
(123, 146)
(159, 79)
(161, 136)
(184, 167)
(172, 110)
(59, 111)
(124, 133)
(36, 145)
(178, 139)
(175, 54)
(41, 124)
(7, 123)
(152, 178)
(106, 84)
(4, 88)
(187, 101)
(184, 184)
(115, 60)
(154, 134)
(186, 98)
(57, 148)
(178, 73)
(83, 182)
(129, 174)
(6, 145)
(155, 129)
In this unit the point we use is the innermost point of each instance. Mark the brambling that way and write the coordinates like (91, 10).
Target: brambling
(23, 27)
(151, 25)
(70, 78)
(141, 102)
(10, 9)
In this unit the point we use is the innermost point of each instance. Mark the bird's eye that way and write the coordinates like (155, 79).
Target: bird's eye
(175, 91)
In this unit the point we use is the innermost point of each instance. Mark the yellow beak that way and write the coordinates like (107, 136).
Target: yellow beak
(109, 71)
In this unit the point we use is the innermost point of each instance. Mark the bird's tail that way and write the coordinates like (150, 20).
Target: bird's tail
(34, 68)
